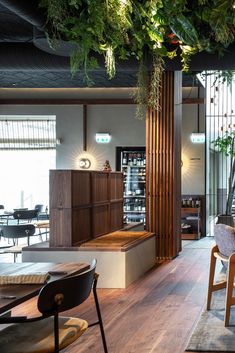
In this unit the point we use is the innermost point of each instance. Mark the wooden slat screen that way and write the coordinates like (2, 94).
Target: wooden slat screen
(163, 166)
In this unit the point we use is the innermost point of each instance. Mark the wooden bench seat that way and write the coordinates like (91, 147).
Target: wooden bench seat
(117, 241)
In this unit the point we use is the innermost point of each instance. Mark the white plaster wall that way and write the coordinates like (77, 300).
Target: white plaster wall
(126, 130)
(69, 127)
(121, 123)
(118, 120)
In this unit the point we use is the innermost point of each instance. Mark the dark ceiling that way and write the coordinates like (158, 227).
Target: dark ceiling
(24, 65)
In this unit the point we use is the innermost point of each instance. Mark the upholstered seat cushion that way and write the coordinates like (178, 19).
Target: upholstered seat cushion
(38, 337)
(225, 238)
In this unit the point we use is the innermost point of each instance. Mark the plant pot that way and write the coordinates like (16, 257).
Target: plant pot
(225, 219)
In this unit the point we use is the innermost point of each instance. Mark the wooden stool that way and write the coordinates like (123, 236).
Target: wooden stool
(228, 283)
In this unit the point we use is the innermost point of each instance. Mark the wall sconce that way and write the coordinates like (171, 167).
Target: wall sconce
(102, 137)
(198, 137)
(84, 163)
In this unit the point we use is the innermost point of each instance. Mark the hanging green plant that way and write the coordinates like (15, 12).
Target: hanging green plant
(124, 29)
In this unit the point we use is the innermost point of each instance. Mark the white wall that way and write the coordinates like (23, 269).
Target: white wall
(126, 130)
(118, 120)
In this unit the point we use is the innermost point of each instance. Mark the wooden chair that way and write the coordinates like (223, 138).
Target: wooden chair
(224, 251)
(50, 332)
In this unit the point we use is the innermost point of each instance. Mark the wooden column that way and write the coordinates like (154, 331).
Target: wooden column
(163, 166)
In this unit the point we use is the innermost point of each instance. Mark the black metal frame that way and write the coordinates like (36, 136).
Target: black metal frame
(71, 291)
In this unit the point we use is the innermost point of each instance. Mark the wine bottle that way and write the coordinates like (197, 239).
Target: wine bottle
(124, 159)
(134, 159)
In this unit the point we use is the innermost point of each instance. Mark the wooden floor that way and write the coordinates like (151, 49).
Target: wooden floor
(156, 314)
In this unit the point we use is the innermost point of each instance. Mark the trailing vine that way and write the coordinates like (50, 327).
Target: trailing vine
(124, 29)
(155, 83)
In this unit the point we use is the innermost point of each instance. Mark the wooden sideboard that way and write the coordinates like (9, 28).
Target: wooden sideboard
(84, 205)
(190, 223)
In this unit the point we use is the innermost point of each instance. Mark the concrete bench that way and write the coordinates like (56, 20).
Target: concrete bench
(122, 256)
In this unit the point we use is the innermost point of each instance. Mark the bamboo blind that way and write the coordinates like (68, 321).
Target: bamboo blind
(163, 165)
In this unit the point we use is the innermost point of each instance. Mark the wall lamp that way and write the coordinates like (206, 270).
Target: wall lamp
(102, 137)
(84, 163)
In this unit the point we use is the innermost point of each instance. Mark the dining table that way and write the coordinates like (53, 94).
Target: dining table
(12, 295)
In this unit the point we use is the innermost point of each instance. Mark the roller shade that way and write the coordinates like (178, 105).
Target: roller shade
(27, 134)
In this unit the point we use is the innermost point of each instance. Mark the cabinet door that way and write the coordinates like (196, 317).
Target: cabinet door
(60, 227)
(81, 225)
(81, 188)
(116, 186)
(100, 187)
(116, 216)
(60, 189)
(100, 220)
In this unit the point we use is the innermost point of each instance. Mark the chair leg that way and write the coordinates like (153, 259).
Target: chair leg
(211, 276)
(99, 315)
(229, 291)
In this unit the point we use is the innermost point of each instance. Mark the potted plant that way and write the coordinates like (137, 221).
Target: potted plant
(226, 145)
(147, 31)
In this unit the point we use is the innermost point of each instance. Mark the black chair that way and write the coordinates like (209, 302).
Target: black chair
(50, 332)
(42, 212)
(16, 232)
(39, 207)
(25, 215)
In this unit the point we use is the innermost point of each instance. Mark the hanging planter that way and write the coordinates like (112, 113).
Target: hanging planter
(125, 29)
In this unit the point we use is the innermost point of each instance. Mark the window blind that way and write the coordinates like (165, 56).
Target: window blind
(27, 134)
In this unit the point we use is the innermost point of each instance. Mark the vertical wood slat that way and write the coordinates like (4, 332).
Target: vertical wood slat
(163, 179)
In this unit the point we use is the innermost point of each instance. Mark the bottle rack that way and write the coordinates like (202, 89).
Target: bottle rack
(134, 176)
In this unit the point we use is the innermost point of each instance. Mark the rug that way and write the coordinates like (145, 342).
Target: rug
(210, 334)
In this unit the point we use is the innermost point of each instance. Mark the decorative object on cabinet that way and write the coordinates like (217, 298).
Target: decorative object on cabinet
(84, 205)
(106, 166)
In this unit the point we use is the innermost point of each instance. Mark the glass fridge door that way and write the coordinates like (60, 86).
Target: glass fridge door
(134, 175)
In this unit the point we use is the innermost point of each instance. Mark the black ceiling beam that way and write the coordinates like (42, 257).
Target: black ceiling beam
(28, 10)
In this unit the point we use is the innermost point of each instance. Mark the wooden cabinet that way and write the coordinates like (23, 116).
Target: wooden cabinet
(190, 223)
(84, 205)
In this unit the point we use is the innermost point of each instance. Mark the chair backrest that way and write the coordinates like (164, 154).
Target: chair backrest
(39, 208)
(72, 291)
(25, 214)
(17, 231)
(225, 238)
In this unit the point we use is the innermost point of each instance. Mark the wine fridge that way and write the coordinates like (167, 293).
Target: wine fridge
(131, 161)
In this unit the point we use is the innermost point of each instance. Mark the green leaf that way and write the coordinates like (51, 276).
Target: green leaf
(184, 29)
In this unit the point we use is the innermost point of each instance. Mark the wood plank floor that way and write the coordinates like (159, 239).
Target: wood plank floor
(156, 314)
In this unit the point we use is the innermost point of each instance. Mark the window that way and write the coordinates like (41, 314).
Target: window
(27, 153)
